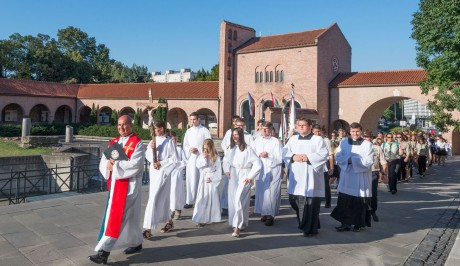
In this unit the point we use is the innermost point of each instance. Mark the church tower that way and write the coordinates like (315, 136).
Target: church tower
(231, 37)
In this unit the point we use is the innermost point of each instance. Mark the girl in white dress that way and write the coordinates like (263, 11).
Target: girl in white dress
(241, 166)
(207, 204)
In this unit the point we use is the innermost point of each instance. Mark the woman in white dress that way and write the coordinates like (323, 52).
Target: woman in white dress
(177, 199)
(157, 209)
(207, 203)
(241, 166)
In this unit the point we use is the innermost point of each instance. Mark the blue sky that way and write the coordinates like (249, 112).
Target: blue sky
(166, 35)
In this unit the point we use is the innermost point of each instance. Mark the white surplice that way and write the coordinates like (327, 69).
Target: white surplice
(177, 199)
(207, 204)
(268, 186)
(157, 209)
(194, 138)
(306, 178)
(131, 232)
(355, 178)
(241, 165)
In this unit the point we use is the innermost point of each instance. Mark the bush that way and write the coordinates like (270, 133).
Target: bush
(10, 130)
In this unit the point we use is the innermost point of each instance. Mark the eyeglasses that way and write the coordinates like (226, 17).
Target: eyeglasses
(389, 137)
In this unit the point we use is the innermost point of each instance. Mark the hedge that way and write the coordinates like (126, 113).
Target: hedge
(12, 130)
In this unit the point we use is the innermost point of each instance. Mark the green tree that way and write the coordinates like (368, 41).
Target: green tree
(93, 115)
(114, 117)
(388, 113)
(436, 30)
(161, 112)
(203, 75)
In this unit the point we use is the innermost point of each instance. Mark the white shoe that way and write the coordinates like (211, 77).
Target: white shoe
(235, 235)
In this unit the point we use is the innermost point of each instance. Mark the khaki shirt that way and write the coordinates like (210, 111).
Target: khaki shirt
(391, 151)
(379, 158)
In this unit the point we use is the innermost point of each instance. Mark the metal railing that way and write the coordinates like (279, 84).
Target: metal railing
(17, 185)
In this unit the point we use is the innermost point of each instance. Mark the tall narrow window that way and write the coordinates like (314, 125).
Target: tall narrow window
(271, 76)
(261, 76)
(277, 76)
(230, 34)
(257, 77)
(234, 36)
(229, 74)
(229, 61)
(266, 76)
(282, 76)
(229, 48)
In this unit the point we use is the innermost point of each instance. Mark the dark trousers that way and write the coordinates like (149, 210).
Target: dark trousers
(403, 172)
(421, 161)
(327, 187)
(394, 169)
(375, 184)
(410, 165)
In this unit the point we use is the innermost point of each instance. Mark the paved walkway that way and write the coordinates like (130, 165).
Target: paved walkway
(64, 231)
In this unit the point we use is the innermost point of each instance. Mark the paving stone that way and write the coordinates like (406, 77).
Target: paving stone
(23, 239)
(15, 261)
(63, 241)
(40, 254)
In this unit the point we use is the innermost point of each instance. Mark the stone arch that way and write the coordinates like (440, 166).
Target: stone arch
(177, 118)
(370, 117)
(248, 119)
(103, 115)
(63, 115)
(127, 111)
(287, 104)
(12, 113)
(85, 113)
(206, 116)
(263, 106)
(39, 114)
(339, 123)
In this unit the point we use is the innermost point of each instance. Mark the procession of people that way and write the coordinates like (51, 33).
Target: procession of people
(194, 175)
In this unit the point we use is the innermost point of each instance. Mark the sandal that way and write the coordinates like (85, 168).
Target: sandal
(168, 227)
(147, 234)
(177, 216)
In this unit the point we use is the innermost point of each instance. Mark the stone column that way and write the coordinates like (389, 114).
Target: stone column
(26, 126)
(68, 134)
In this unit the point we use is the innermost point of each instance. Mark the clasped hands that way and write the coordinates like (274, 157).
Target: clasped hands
(300, 158)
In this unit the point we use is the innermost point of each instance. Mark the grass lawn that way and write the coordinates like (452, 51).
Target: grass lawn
(12, 149)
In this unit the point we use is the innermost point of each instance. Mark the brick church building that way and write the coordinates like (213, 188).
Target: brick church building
(317, 62)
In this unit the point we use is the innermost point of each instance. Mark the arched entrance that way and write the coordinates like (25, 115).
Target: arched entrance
(85, 113)
(208, 119)
(340, 124)
(127, 111)
(63, 115)
(248, 119)
(39, 114)
(12, 113)
(177, 118)
(263, 106)
(104, 115)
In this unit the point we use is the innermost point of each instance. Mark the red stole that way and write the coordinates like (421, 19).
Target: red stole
(120, 191)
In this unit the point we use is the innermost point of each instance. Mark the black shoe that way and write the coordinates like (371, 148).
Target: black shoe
(224, 212)
(305, 234)
(343, 228)
(270, 221)
(263, 219)
(356, 229)
(188, 206)
(132, 250)
(393, 192)
(375, 217)
(327, 206)
(100, 258)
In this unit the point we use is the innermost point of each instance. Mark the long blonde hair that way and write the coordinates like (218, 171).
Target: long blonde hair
(211, 149)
